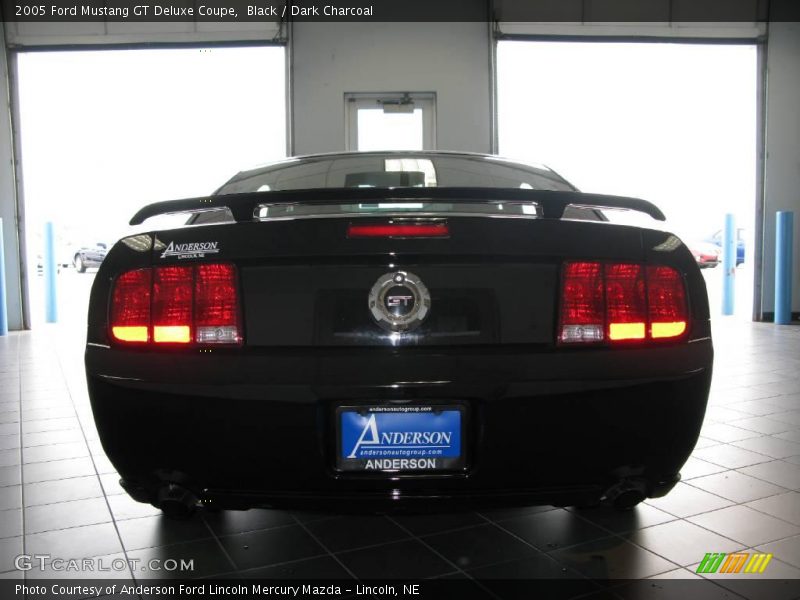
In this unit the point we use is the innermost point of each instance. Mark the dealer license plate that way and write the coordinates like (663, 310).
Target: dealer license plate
(399, 438)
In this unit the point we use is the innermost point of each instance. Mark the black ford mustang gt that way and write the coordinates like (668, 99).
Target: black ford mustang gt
(404, 330)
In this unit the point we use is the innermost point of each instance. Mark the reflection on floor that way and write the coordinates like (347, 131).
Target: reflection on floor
(740, 491)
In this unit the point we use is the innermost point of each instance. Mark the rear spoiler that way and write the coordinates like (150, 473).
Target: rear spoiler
(243, 206)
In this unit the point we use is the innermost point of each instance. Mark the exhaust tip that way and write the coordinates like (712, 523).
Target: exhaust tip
(626, 494)
(628, 499)
(176, 502)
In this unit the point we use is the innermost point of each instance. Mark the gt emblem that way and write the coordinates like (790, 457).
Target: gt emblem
(399, 301)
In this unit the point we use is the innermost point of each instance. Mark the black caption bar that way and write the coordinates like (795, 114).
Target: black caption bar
(464, 586)
(585, 11)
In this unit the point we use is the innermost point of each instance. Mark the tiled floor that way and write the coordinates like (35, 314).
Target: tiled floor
(741, 491)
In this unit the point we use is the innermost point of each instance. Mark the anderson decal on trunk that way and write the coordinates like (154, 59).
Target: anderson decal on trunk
(190, 249)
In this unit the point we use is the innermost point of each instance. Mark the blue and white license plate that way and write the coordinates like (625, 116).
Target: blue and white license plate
(399, 438)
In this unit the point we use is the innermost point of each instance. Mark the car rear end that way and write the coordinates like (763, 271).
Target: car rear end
(242, 364)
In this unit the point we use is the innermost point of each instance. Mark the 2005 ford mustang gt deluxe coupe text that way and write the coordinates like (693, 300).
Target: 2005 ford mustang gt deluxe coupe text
(398, 330)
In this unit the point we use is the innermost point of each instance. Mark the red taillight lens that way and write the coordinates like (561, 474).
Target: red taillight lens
(626, 306)
(130, 307)
(400, 230)
(172, 305)
(666, 297)
(582, 304)
(216, 305)
(621, 302)
(177, 305)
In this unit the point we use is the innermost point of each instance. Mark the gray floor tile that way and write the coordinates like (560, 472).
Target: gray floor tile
(270, 546)
(792, 436)
(695, 467)
(681, 542)
(62, 490)
(613, 558)
(703, 442)
(745, 525)
(9, 416)
(409, 559)
(777, 471)
(770, 446)
(786, 550)
(40, 425)
(757, 408)
(730, 457)
(110, 483)
(66, 514)
(10, 549)
(351, 532)
(238, 521)
(125, 507)
(10, 497)
(763, 425)
(9, 442)
(617, 521)
(10, 458)
(54, 452)
(785, 506)
(45, 438)
(726, 433)
(57, 469)
(791, 416)
(11, 523)
(77, 542)
(555, 529)
(438, 523)
(205, 557)
(9, 428)
(736, 487)
(479, 546)
(685, 500)
(148, 532)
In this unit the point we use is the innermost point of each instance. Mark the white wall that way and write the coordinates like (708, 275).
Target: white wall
(782, 165)
(450, 59)
(7, 203)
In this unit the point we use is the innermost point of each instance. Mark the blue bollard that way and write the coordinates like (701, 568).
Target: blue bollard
(3, 305)
(728, 265)
(784, 225)
(51, 308)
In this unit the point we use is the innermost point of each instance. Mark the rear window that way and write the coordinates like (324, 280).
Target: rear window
(392, 170)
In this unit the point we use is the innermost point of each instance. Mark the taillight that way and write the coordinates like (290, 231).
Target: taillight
(216, 305)
(130, 307)
(626, 306)
(582, 306)
(182, 305)
(666, 299)
(621, 303)
(172, 305)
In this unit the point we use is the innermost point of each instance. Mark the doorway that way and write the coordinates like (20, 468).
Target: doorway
(396, 121)
(673, 123)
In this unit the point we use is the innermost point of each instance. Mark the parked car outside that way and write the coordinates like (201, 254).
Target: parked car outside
(91, 256)
(716, 239)
(706, 254)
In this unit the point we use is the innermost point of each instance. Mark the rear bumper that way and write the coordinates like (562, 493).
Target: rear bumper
(258, 430)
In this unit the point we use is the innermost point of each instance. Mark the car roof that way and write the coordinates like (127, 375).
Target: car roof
(309, 158)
